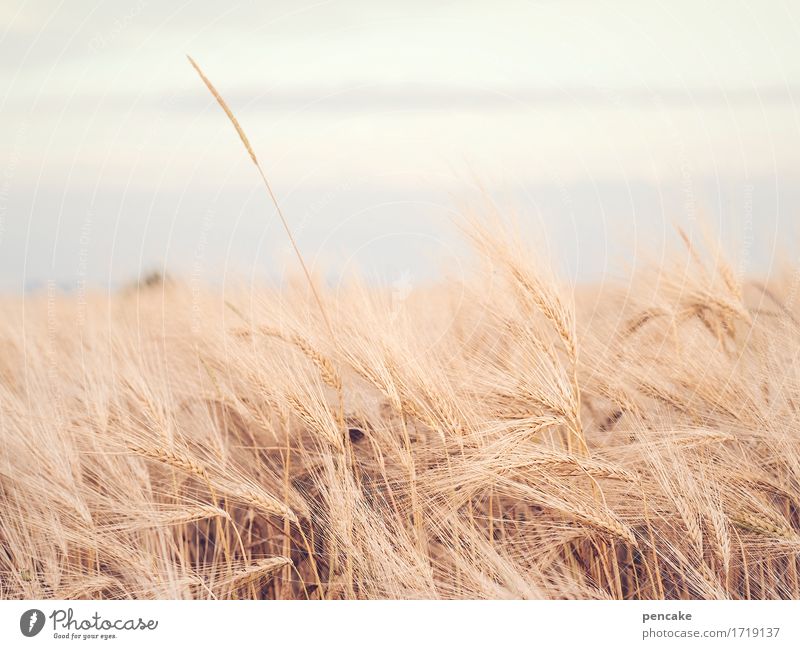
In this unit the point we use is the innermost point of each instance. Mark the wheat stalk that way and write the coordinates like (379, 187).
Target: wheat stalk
(753, 523)
(171, 458)
(326, 367)
(243, 137)
(259, 570)
(264, 502)
(186, 515)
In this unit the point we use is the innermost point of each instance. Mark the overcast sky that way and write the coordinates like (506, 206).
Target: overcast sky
(598, 123)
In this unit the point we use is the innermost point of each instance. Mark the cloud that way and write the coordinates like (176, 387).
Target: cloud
(415, 97)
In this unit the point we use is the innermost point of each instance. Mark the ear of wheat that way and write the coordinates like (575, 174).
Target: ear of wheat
(243, 137)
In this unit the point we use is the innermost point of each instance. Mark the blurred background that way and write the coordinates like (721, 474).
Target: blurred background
(599, 124)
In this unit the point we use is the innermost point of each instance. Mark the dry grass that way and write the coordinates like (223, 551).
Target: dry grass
(494, 437)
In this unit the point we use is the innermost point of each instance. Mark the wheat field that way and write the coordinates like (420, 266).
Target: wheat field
(497, 436)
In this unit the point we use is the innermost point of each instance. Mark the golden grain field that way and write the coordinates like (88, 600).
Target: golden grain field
(496, 436)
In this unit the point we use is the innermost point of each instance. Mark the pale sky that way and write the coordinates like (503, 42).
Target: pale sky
(375, 120)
